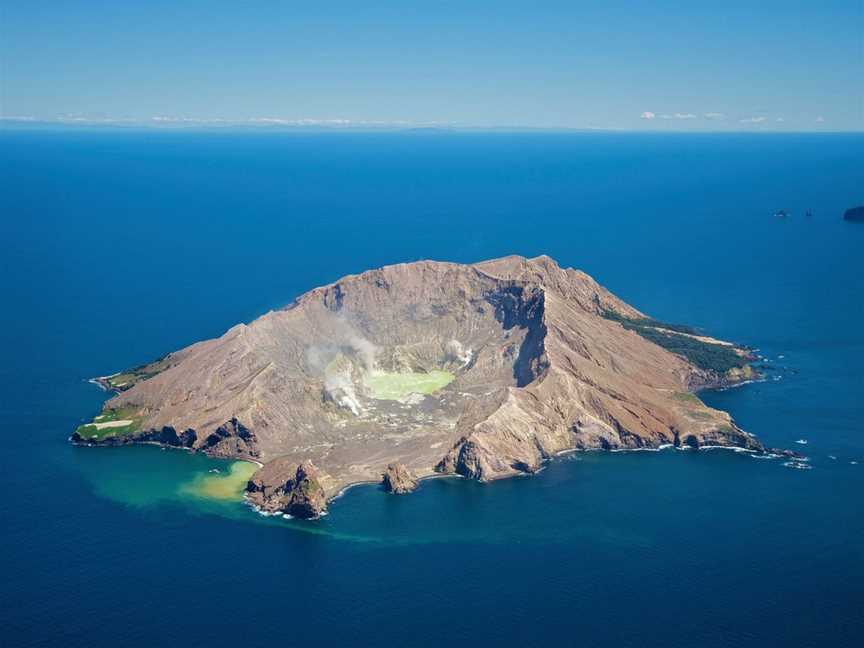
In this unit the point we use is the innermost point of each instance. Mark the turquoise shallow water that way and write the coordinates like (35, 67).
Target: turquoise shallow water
(122, 246)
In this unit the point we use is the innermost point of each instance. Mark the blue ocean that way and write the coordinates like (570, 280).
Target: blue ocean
(120, 246)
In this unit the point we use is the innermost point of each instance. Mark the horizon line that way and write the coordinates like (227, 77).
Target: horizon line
(179, 124)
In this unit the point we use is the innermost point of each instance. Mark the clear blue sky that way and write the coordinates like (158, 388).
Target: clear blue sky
(743, 65)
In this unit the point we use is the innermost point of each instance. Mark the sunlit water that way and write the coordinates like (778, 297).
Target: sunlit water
(123, 246)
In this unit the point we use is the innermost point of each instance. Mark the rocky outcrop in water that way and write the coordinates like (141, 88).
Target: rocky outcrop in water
(397, 479)
(855, 214)
(537, 360)
(284, 487)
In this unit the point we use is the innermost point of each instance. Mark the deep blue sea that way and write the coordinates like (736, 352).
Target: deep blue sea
(119, 246)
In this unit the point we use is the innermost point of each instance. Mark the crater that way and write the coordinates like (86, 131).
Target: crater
(406, 369)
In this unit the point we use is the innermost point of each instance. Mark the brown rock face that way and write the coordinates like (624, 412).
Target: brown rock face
(283, 486)
(537, 365)
(398, 480)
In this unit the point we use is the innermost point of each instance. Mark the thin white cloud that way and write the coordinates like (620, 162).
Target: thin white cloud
(647, 115)
(176, 121)
(679, 116)
(779, 120)
(820, 119)
(714, 115)
(753, 120)
(161, 119)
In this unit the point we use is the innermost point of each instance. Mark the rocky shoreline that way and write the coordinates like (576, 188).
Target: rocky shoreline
(276, 490)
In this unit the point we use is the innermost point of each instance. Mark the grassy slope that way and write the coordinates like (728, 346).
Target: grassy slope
(705, 355)
(89, 431)
(125, 379)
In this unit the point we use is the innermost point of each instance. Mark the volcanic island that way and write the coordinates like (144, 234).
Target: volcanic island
(484, 370)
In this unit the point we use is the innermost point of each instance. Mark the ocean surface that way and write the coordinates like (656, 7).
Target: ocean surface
(121, 246)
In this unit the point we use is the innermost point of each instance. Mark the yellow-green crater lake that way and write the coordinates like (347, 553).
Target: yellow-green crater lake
(386, 385)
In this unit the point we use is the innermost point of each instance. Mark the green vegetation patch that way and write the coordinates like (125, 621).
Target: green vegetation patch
(694, 408)
(122, 380)
(111, 422)
(648, 322)
(386, 385)
(687, 397)
(700, 415)
(675, 338)
(125, 379)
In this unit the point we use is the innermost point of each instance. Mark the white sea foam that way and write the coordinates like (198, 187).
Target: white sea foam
(741, 384)
(345, 489)
(658, 449)
(731, 448)
(257, 508)
(96, 382)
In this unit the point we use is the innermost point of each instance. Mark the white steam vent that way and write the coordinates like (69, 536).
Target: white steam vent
(458, 352)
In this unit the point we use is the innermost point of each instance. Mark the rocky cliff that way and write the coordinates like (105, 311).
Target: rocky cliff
(483, 370)
(397, 479)
(285, 487)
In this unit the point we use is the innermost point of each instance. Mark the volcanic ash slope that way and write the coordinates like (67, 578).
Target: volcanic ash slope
(482, 370)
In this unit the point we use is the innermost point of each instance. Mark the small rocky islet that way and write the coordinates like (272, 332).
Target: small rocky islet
(482, 370)
(854, 214)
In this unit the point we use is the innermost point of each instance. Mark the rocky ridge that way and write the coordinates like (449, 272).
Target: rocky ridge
(283, 486)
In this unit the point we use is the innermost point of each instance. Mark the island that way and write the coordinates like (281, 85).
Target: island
(483, 370)
(855, 214)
